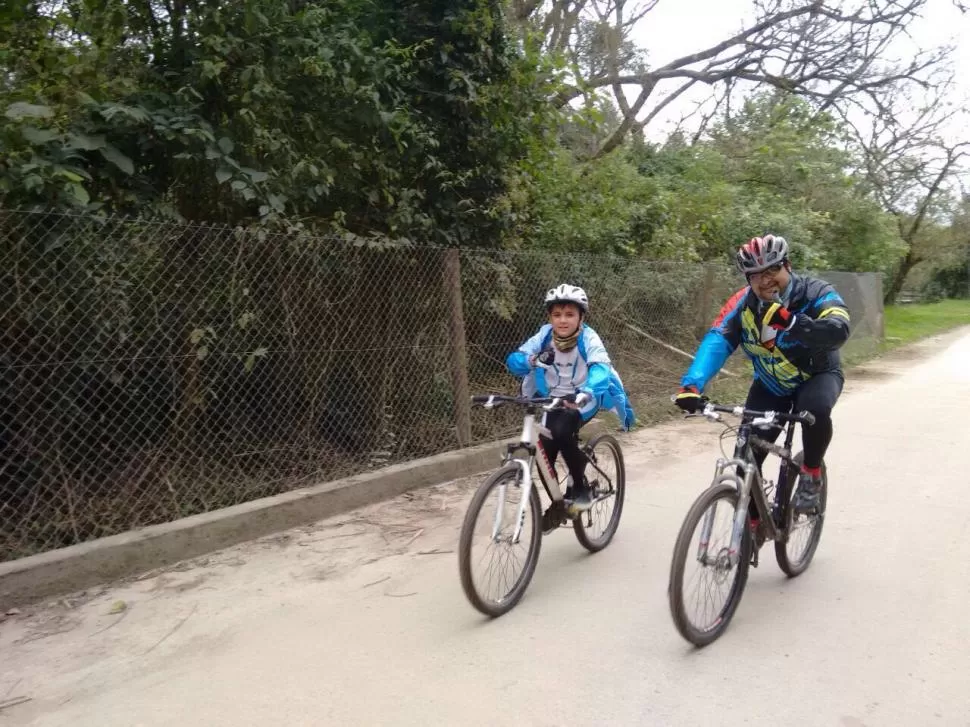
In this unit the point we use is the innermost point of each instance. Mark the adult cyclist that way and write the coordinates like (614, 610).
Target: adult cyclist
(791, 327)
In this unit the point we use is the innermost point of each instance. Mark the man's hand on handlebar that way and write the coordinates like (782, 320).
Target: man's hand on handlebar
(690, 400)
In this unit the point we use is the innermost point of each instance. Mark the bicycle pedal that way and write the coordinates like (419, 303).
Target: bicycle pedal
(553, 518)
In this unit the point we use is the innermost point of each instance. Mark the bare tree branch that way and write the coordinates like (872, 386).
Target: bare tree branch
(906, 162)
(836, 54)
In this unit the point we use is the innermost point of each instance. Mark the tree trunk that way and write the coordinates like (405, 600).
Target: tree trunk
(900, 277)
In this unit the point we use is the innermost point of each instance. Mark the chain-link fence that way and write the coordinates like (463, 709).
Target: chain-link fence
(151, 370)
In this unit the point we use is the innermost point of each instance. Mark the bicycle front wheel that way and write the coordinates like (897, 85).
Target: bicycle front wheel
(705, 588)
(496, 565)
(606, 473)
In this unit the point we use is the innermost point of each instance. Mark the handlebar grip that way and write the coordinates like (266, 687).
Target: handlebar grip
(808, 417)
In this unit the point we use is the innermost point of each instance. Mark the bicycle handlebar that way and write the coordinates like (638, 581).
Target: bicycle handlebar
(490, 401)
(760, 417)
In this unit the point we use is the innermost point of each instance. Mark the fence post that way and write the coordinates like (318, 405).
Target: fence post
(702, 321)
(880, 307)
(459, 352)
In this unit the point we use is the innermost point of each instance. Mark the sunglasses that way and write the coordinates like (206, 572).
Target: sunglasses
(769, 272)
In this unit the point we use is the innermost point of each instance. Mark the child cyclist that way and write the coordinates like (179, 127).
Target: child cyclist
(566, 358)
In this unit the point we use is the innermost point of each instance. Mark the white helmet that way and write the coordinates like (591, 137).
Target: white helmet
(566, 293)
(760, 253)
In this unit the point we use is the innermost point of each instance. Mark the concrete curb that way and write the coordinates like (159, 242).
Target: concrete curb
(77, 567)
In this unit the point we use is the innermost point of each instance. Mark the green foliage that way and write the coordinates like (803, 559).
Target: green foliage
(400, 120)
(602, 206)
(419, 121)
(773, 166)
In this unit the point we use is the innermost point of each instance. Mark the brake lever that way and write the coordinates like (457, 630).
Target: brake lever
(768, 420)
(713, 415)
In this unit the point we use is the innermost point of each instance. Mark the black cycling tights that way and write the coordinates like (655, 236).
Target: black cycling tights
(564, 425)
(818, 396)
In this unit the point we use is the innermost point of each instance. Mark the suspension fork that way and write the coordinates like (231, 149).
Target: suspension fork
(525, 491)
(530, 441)
(525, 486)
(743, 485)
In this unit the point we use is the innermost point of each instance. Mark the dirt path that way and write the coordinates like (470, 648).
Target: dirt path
(360, 619)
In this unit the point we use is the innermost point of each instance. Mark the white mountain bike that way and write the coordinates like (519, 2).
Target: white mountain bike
(506, 542)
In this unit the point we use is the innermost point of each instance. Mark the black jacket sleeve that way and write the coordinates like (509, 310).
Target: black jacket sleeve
(825, 324)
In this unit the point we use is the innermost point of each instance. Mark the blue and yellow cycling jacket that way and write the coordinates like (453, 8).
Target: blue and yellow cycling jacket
(811, 346)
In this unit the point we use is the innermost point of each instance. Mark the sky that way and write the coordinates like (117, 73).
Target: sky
(675, 28)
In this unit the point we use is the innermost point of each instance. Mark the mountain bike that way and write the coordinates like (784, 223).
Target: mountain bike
(507, 534)
(736, 485)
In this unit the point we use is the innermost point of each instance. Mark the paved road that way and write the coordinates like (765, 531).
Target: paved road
(361, 620)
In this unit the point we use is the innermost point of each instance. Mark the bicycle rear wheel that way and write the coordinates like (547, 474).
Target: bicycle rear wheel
(606, 473)
(504, 584)
(795, 553)
(720, 504)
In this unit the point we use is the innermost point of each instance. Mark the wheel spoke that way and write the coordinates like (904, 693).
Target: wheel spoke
(604, 471)
(702, 592)
(804, 532)
(496, 573)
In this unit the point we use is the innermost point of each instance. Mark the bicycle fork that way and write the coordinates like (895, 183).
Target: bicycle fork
(530, 432)
(721, 476)
(525, 489)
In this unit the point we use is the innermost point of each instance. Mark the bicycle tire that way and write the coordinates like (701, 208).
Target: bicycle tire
(683, 551)
(789, 568)
(512, 473)
(594, 545)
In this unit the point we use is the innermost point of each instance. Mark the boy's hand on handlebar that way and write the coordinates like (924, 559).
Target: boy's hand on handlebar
(577, 400)
(690, 400)
(544, 359)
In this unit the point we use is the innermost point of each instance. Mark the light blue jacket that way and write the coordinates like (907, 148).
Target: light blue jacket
(602, 380)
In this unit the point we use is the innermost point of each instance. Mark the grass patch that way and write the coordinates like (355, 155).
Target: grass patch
(908, 323)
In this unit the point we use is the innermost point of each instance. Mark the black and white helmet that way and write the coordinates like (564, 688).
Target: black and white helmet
(566, 293)
(761, 253)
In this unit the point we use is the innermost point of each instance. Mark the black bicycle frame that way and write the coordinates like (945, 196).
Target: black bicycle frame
(744, 448)
(742, 473)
